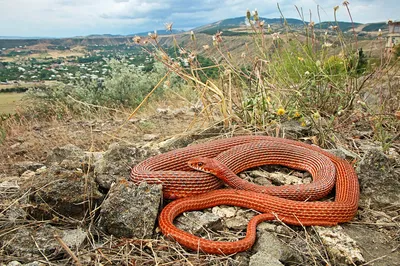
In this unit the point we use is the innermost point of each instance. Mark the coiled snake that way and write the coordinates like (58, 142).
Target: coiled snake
(293, 204)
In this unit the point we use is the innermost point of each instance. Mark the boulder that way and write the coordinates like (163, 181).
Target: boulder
(130, 210)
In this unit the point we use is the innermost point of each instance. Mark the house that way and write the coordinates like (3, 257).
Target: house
(393, 37)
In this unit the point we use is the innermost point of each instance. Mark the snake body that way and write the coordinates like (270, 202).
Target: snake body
(225, 158)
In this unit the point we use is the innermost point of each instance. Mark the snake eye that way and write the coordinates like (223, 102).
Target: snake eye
(199, 164)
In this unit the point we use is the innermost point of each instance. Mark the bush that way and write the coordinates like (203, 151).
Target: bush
(126, 86)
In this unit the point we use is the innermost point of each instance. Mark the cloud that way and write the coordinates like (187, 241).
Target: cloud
(83, 17)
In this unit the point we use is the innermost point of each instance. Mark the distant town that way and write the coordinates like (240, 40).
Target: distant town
(21, 65)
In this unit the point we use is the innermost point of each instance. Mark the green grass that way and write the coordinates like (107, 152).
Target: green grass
(8, 102)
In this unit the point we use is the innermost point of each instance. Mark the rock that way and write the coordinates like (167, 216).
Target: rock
(59, 191)
(379, 180)
(237, 223)
(74, 238)
(162, 111)
(68, 156)
(343, 153)
(130, 210)
(13, 214)
(14, 263)
(28, 175)
(269, 251)
(224, 211)
(150, 137)
(196, 221)
(179, 111)
(292, 129)
(22, 167)
(32, 242)
(341, 248)
(117, 162)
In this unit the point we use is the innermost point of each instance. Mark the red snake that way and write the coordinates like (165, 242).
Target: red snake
(227, 157)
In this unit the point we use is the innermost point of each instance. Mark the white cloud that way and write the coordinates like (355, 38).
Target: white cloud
(83, 17)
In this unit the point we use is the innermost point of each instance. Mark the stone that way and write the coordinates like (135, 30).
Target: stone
(269, 251)
(150, 137)
(340, 246)
(68, 156)
(22, 167)
(14, 263)
(379, 179)
(196, 222)
(292, 129)
(130, 210)
(224, 211)
(74, 238)
(56, 191)
(31, 242)
(117, 162)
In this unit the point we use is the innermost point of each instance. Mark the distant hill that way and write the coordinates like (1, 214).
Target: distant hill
(230, 27)
(159, 32)
(375, 26)
(230, 23)
(344, 26)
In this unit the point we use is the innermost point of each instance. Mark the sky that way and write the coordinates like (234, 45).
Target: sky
(68, 18)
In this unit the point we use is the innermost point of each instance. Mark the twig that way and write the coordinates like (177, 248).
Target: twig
(68, 250)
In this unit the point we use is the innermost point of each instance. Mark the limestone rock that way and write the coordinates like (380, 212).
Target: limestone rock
(130, 210)
(22, 167)
(59, 191)
(269, 251)
(340, 246)
(32, 242)
(68, 156)
(196, 221)
(379, 179)
(117, 162)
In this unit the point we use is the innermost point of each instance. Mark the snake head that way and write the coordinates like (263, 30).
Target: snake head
(204, 164)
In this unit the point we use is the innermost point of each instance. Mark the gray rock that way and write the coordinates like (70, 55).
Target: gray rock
(130, 210)
(379, 180)
(22, 167)
(343, 153)
(292, 129)
(34, 263)
(150, 137)
(343, 250)
(68, 156)
(59, 191)
(196, 222)
(14, 263)
(74, 238)
(117, 162)
(31, 242)
(269, 251)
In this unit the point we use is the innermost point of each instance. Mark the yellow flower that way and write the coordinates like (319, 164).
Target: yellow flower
(280, 111)
(300, 58)
(296, 114)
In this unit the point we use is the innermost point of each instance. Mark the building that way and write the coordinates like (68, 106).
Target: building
(393, 37)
